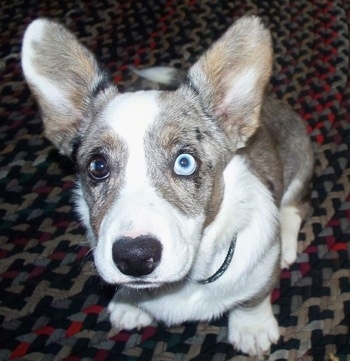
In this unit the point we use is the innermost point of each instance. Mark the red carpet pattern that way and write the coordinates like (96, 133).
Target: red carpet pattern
(52, 302)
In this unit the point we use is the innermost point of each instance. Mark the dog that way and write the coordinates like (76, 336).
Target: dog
(192, 199)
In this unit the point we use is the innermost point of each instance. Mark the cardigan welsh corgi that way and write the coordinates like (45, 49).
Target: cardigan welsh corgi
(193, 198)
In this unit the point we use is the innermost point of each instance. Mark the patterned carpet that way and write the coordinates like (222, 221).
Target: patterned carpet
(52, 302)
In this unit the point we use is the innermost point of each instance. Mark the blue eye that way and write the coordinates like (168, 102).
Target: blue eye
(185, 164)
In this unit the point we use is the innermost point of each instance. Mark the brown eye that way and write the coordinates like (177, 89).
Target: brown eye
(99, 168)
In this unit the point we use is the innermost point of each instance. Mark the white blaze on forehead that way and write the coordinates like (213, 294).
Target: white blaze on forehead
(130, 115)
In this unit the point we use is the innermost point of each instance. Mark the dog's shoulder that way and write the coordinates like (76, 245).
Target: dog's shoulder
(279, 147)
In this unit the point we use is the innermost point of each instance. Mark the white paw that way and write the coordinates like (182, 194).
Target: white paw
(253, 331)
(124, 316)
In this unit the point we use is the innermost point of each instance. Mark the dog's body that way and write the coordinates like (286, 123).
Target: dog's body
(186, 195)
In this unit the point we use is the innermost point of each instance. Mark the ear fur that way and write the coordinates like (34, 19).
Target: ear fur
(231, 78)
(63, 76)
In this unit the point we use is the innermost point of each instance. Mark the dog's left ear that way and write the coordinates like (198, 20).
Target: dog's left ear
(231, 77)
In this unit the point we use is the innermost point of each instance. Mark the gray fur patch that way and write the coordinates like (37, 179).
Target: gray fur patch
(101, 195)
(182, 127)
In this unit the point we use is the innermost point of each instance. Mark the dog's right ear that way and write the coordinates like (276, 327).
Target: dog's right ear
(64, 78)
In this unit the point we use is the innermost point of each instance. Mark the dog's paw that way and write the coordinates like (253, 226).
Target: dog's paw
(253, 330)
(124, 316)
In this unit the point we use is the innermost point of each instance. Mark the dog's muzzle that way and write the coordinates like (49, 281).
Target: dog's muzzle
(138, 256)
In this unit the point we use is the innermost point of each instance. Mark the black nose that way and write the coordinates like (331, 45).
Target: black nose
(137, 256)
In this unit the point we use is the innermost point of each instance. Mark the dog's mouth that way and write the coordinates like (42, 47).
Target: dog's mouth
(141, 284)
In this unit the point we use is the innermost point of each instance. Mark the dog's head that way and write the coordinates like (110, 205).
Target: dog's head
(150, 163)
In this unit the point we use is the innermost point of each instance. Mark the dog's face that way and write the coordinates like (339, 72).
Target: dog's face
(151, 164)
(151, 169)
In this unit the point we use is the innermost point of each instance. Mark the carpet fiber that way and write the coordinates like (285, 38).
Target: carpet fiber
(52, 302)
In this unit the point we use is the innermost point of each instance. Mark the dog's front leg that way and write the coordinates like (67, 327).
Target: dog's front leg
(253, 329)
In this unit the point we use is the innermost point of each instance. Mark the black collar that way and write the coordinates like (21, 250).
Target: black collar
(223, 267)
